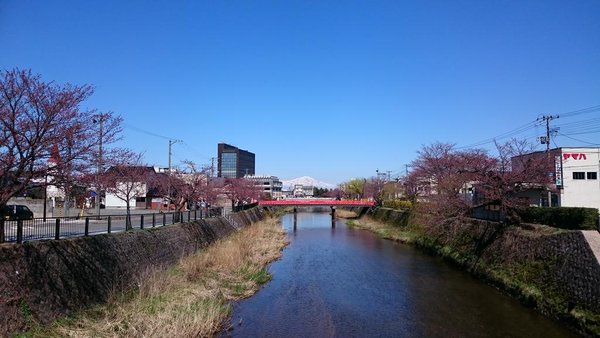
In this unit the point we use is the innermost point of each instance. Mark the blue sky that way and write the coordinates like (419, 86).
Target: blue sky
(329, 89)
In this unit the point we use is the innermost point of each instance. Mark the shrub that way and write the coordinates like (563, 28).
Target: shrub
(397, 204)
(563, 217)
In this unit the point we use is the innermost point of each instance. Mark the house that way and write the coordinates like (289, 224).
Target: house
(139, 184)
(301, 190)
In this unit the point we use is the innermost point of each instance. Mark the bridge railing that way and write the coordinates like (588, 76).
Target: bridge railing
(317, 202)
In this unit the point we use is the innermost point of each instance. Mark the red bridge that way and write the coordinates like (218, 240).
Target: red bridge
(318, 202)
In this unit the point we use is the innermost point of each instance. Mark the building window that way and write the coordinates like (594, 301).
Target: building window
(578, 175)
(229, 165)
(592, 175)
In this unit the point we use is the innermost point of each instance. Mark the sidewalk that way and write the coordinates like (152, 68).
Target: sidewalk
(593, 239)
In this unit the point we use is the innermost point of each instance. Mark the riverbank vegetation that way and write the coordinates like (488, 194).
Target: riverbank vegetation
(346, 214)
(450, 183)
(505, 264)
(398, 234)
(191, 299)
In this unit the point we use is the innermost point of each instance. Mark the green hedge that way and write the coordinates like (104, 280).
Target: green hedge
(563, 217)
(397, 204)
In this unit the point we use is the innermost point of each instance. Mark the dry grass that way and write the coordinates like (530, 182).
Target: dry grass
(189, 300)
(341, 213)
(368, 223)
(400, 234)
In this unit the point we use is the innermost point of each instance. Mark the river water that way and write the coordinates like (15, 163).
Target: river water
(341, 282)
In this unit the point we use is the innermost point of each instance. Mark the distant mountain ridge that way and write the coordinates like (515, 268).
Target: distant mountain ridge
(306, 180)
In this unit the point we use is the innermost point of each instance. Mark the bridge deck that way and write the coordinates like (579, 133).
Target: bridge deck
(321, 202)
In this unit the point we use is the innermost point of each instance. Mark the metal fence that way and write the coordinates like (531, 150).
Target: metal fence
(238, 208)
(19, 231)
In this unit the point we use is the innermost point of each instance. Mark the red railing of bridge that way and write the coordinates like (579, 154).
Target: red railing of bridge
(320, 202)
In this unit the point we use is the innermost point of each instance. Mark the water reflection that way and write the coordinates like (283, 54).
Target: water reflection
(339, 282)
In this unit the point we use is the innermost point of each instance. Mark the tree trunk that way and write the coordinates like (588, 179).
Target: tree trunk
(128, 216)
(66, 202)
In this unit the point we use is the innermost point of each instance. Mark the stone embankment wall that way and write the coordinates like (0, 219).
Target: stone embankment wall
(552, 270)
(43, 280)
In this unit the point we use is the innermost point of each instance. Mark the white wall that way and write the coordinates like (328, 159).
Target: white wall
(113, 201)
(580, 193)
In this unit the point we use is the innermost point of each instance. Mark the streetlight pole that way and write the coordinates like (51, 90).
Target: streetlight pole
(171, 142)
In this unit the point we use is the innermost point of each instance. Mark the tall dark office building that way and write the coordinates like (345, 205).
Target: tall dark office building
(234, 162)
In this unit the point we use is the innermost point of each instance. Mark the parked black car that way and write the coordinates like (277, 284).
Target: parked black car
(14, 212)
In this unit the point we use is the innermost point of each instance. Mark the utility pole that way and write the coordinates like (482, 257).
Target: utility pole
(546, 140)
(386, 175)
(99, 165)
(171, 142)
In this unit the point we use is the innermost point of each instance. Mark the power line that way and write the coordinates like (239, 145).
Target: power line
(192, 149)
(143, 131)
(579, 123)
(583, 132)
(581, 128)
(185, 144)
(595, 131)
(581, 111)
(534, 123)
(509, 133)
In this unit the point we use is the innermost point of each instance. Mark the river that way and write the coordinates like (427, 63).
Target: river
(343, 282)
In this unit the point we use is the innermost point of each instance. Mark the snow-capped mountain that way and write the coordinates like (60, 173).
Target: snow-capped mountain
(306, 180)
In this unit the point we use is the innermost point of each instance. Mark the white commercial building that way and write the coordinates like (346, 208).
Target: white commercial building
(576, 173)
(268, 184)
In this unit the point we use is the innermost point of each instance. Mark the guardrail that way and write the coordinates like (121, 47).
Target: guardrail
(238, 208)
(18, 231)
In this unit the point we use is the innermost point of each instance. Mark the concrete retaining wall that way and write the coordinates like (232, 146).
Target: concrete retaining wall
(560, 265)
(43, 280)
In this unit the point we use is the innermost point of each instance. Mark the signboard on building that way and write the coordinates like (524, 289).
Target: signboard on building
(558, 171)
(575, 156)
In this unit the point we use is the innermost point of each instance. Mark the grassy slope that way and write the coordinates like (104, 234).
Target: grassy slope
(191, 299)
(522, 281)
